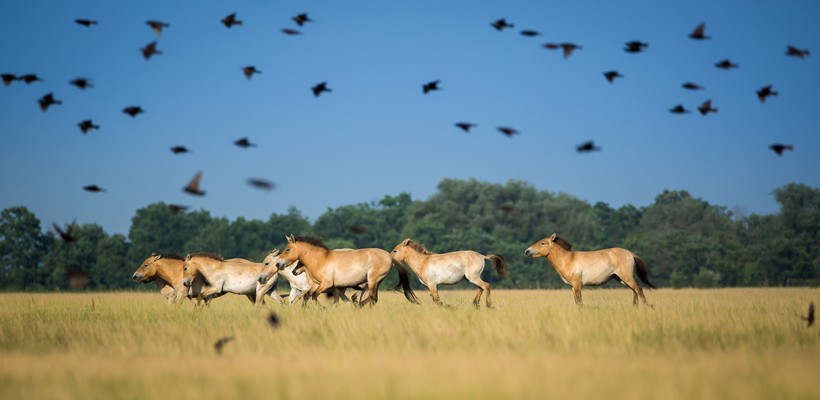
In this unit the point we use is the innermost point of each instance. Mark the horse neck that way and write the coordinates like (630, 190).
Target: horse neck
(559, 258)
(170, 271)
(415, 259)
(313, 257)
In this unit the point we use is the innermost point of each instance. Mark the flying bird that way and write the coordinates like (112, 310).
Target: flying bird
(430, 86)
(764, 92)
(635, 46)
(180, 150)
(244, 143)
(86, 22)
(587, 147)
(47, 101)
(273, 320)
(262, 184)
(193, 186)
(779, 148)
(697, 34)
(678, 109)
(93, 189)
(792, 51)
(87, 125)
(810, 317)
(301, 19)
(133, 111)
(82, 83)
(220, 344)
(319, 88)
(568, 48)
(29, 78)
(149, 50)
(8, 78)
(726, 64)
(465, 126)
(692, 86)
(706, 108)
(231, 20)
(500, 24)
(357, 229)
(611, 75)
(177, 208)
(530, 33)
(291, 32)
(507, 131)
(508, 208)
(250, 70)
(67, 235)
(157, 26)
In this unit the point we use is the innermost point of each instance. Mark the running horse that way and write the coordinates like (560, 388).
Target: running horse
(592, 268)
(221, 276)
(165, 270)
(299, 282)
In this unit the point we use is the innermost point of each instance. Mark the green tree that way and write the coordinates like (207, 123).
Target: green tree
(22, 248)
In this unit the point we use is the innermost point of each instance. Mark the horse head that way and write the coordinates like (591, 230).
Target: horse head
(147, 271)
(543, 247)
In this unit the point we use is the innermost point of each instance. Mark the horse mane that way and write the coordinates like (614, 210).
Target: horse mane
(172, 256)
(563, 243)
(210, 255)
(311, 240)
(417, 246)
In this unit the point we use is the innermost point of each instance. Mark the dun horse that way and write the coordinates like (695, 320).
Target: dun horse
(228, 276)
(299, 282)
(579, 268)
(165, 270)
(448, 268)
(343, 268)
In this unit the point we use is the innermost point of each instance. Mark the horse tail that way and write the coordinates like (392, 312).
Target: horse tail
(499, 263)
(404, 282)
(643, 273)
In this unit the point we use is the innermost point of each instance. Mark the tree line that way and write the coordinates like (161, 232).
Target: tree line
(685, 241)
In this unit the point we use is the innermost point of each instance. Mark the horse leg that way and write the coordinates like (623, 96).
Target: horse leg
(576, 291)
(475, 279)
(434, 294)
(637, 291)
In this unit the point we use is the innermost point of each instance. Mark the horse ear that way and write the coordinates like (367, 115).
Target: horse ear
(274, 252)
(157, 256)
(188, 257)
(405, 242)
(153, 254)
(554, 235)
(290, 238)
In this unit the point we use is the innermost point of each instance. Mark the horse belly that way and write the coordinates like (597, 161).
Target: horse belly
(448, 276)
(597, 274)
(240, 285)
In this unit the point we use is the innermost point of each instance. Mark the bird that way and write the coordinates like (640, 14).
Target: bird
(568, 48)
(244, 143)
(810, 317)
(691, 86)
(795, 52)
(29, 78)
(250, 70)
(726, 64)
(697, 34)
(133, 111)
(587, 147)
(47, 101)
(220, 344)
(611, 75)
(508, 208)
(678, 109)
(706, 108)
(85, 22)
(465, 126)
(357, 229)
(87, 125)
(291, 32)
(319, 88)
(509, 132)
(635, 46)
(193, 185)
(177, 208)
(779, 148)
(500, 24)
(262, 184)
(157, 26)
(764, 92)
(180, 150)
(149, 50)
(231, 20)
(93, 189)
(8, 78)
(77, 279)
(430, 86)
(82, 83)
(273, 320)
(67, 234)
(530, 33)
(300, 19)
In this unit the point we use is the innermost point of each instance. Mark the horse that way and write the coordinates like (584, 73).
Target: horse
(165, 270)
(228, 276)
(592, 268)
(299, 282)
(343, 268)
(448, 268)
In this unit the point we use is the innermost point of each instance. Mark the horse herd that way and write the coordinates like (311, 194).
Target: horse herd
(311, 268)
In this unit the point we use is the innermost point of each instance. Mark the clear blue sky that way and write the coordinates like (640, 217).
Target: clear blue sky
(376, 133)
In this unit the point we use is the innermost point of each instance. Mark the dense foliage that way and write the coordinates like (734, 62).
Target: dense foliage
(685, 241)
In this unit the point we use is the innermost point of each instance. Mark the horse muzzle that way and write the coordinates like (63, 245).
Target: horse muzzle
(280, 265)
(262, 279)
(138, 278)
(187, 282)
(530, 252)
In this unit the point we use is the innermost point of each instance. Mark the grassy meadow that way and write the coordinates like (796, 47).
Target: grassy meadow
(704, 344)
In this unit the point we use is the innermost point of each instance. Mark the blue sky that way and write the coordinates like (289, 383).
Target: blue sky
(376, 133)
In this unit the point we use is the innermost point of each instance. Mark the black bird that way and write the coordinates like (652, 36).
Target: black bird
(262, 184)
(501, 24)
(319, 88)
(231, 20)
(568, 48)
(244, 143)
(93, 189)
(611, 75)
(193, 186)
(764, 92)
(530, 33)
(635, 46)
(157, 26)
(177, 208)
(87, 125)
(357, 229)
(587, 147)
(726, 64)
(250, 70)
(507, 131)
(465, 126)
(697, 34)
(67, 234)
(273, 320)
(8, 78)
(508, 208)
(810, 317)
(133, 111)
(82, 83)
(48, 100)
(301, 19)
(29, 78)
(86, 22)
(795, 52)
(149, 50)
(220, 343)
(706, 108)
(678, 109)
(692, 86)
(291, 32)
(430, 86)
(779, 148)
(180, 150)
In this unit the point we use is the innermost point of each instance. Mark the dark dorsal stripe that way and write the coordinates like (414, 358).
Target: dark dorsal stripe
(311, 240)
(206, 254)
(418, 247)
(563, 243)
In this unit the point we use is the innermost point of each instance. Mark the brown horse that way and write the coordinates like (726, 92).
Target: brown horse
(343, 268)
(299, 282)
(165, 270)
(448, 268)
(578, 268)
(238, 276)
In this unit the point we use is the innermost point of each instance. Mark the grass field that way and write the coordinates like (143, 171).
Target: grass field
(694, 344)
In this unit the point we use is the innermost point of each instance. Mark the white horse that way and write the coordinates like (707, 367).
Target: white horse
(238, 277)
